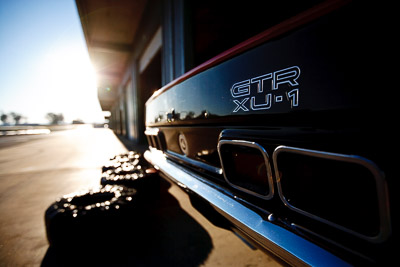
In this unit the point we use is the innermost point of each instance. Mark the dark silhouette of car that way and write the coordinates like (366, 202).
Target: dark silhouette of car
(285, 137)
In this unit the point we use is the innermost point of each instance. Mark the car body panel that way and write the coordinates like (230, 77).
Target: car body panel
(308, 87)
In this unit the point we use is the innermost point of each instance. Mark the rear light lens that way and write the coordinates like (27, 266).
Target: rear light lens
(246, 167)
(347, 192)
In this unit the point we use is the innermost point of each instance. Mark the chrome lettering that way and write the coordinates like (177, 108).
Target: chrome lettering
(241, 89)
(240, 105)
(289, 75)
(264, 90)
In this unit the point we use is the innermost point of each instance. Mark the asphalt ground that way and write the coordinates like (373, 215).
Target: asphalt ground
(36, 170)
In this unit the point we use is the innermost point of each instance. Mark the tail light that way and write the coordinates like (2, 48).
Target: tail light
(344, 191)
(246, 167)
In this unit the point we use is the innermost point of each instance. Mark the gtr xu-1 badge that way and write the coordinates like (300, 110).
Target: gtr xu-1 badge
(261, 92)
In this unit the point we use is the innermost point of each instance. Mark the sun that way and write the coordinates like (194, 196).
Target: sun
(69, 82)
(70, 67)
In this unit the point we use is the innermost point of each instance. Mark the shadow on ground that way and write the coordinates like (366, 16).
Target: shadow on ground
(162, 234)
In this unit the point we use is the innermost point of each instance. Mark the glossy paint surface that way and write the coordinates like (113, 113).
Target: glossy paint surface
(308, 70)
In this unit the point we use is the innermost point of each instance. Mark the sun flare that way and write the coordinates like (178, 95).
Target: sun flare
(70, 68)
(69, 82)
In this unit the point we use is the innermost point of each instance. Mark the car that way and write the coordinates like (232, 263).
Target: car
(286, 137)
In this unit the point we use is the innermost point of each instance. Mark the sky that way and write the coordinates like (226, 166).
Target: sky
(44, 63)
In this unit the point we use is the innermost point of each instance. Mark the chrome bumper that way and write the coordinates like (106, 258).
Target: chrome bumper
(283, 243)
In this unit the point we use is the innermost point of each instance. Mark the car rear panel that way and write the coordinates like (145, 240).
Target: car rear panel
(302, 108)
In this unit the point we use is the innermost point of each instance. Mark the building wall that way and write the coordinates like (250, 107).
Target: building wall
(127, 114)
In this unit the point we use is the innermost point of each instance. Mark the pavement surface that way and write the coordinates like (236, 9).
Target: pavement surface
(35, 170)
